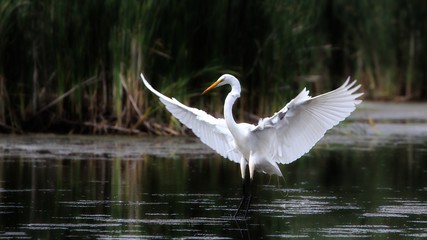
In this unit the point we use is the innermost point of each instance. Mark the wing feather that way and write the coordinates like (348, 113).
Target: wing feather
(211, 131)
(297, 127)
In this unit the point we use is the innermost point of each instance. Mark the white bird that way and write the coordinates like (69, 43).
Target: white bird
(281, 138)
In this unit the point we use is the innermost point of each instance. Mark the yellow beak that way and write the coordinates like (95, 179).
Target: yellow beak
(212, 86)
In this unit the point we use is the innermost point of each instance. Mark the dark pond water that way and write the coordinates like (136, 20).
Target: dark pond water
(356, 183)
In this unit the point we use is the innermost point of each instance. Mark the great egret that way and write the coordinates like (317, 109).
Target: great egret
(281, 138)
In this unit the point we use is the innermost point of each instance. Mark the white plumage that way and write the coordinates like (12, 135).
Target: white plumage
(281, 138)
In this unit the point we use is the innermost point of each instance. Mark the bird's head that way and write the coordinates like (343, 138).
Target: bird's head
(224, 79)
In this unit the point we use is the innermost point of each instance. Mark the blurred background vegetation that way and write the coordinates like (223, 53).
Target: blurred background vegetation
(73, 66)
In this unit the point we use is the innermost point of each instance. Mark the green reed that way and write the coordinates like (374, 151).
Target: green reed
(76, 65)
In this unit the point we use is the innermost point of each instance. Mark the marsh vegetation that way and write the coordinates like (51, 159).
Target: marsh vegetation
(73, 67)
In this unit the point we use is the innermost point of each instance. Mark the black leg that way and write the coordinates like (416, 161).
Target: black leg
(243, 198)
(249, 203)
(240, 206)
(247, 196)
(244, 229)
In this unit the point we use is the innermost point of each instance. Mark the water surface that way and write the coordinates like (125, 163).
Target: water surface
(360, 181)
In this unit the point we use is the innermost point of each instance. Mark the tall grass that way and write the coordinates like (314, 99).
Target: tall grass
(75, 66)
(385, 42)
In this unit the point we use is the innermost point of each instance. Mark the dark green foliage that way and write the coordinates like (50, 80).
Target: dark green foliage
(75, 64)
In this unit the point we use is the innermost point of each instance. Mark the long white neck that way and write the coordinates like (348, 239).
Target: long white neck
(228, 108)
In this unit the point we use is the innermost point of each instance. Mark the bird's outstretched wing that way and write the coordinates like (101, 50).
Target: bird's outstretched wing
(211, 131)
(297, 127)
